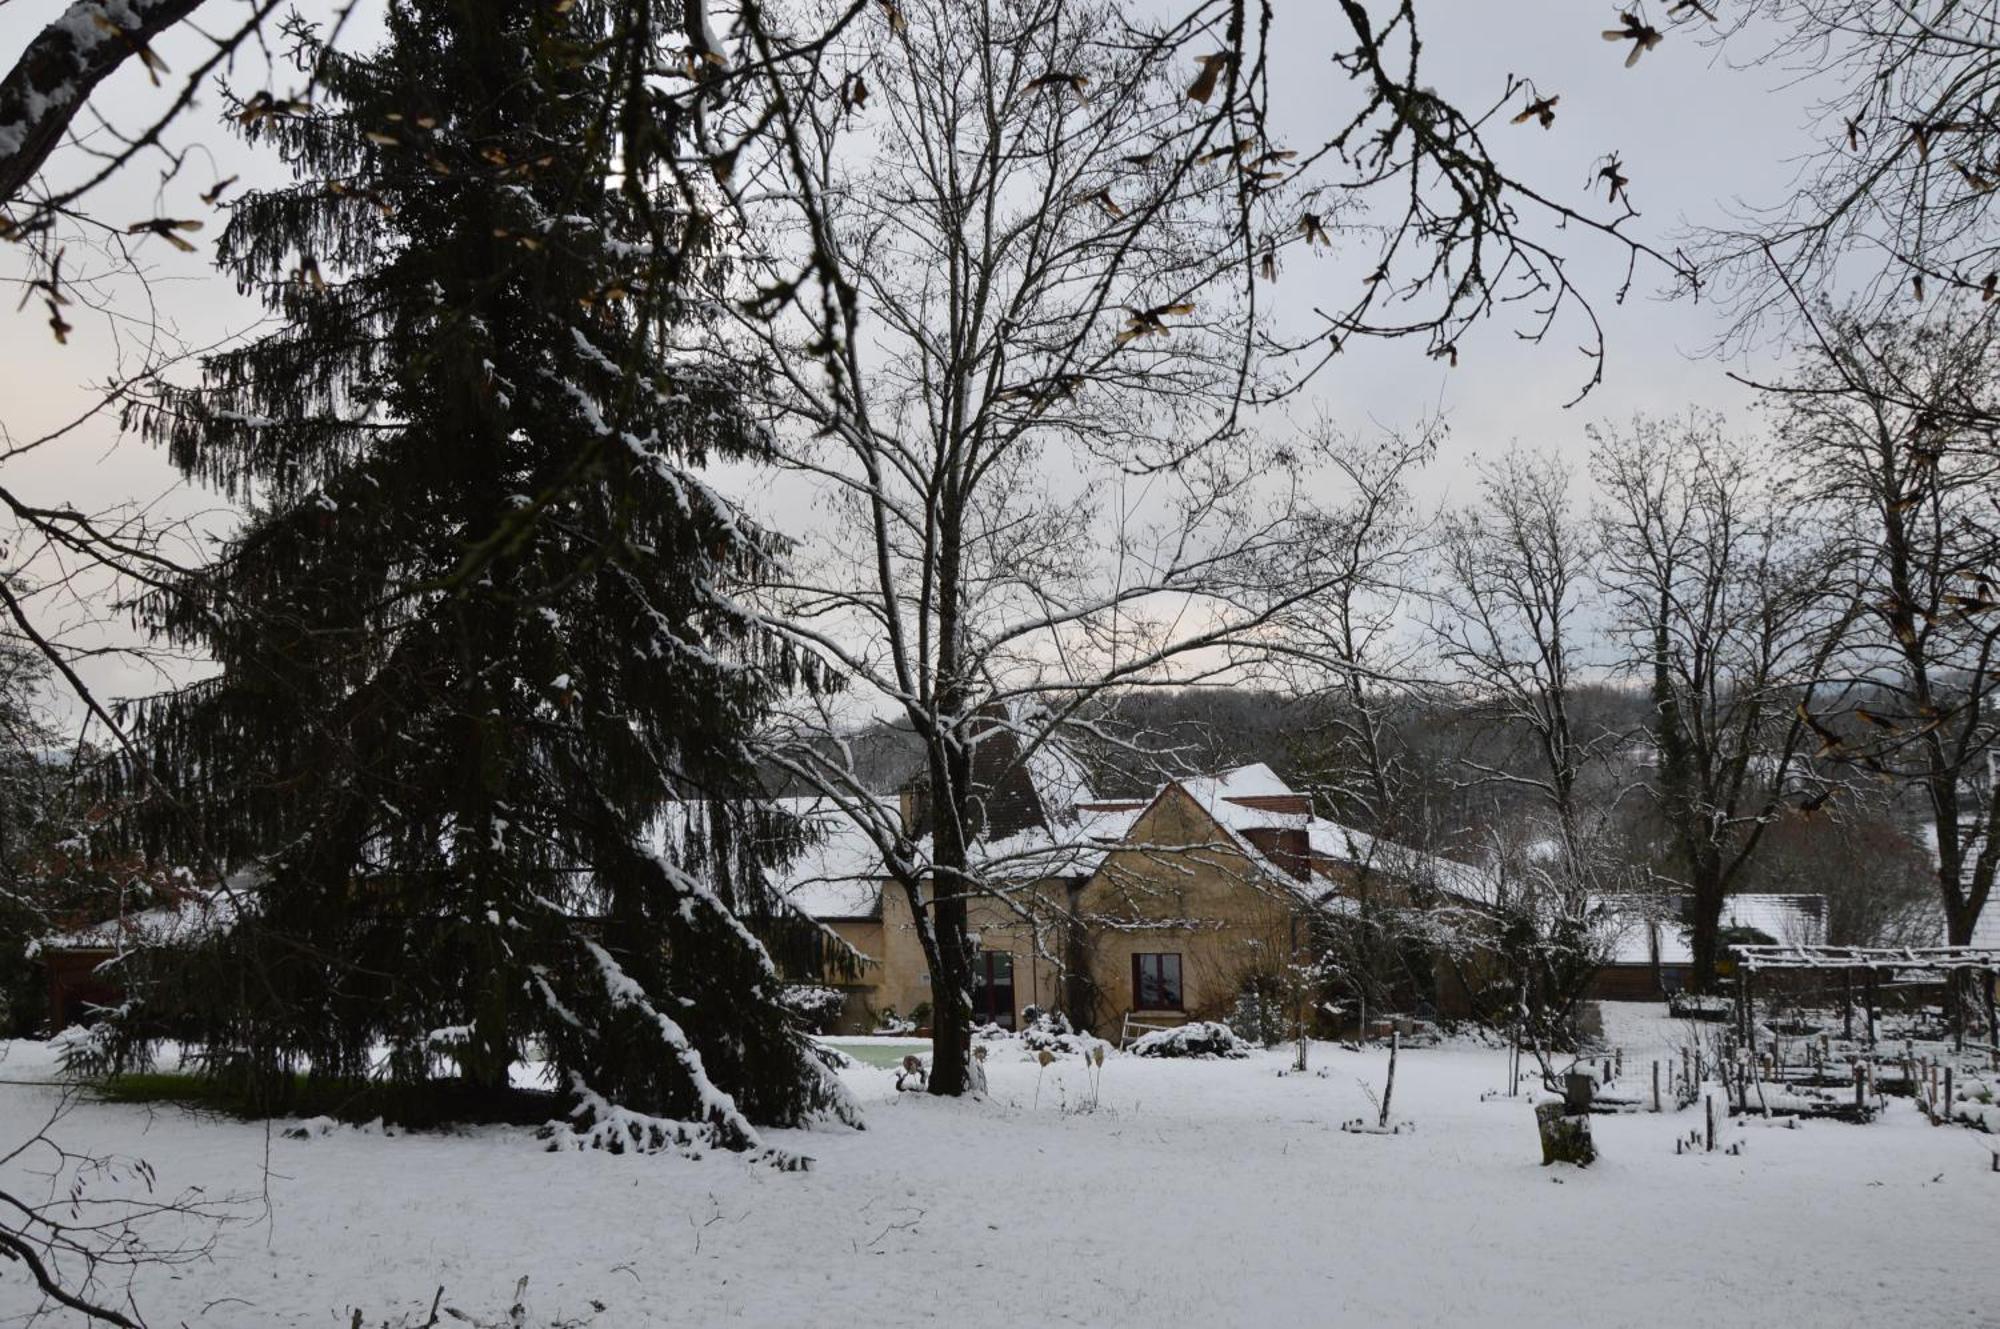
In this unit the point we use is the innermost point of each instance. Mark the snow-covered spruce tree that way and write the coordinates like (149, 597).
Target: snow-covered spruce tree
(477, 632)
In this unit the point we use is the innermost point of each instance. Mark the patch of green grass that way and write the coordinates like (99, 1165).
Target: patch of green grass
(876, 1054)
(167, 1087)
(159, 1087)
(445, 1102)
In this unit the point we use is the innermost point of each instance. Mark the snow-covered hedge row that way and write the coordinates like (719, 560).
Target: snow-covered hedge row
(1203, 1038)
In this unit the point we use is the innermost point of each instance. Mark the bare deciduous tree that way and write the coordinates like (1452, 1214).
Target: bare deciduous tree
(1020, 401)
(1898, 196)
(1721, 599)
(1515, 581)
(1510, 619)
(1350, 653)
(1878, 426)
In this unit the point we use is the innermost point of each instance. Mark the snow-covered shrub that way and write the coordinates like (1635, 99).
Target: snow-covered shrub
(890, 1023)
(88, 1052)
(1260, 1014)
(1203, 1038)
(1050, 1031)
(1695, 1006)
(817, 1008)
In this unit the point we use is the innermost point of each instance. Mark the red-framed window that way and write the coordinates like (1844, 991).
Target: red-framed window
(993, 988)
(1156, 982)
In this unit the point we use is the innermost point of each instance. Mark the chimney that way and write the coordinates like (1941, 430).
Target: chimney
(1293, 805)
(914, 802)
(1288, 848)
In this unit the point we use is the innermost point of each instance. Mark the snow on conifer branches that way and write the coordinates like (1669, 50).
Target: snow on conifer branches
(482, 631)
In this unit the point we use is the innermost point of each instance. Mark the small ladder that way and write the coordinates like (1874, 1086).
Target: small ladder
(1143, 1027)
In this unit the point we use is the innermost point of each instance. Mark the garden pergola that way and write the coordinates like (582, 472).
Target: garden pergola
(1869, 962)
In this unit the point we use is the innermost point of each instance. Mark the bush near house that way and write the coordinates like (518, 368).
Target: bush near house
(1204, 1038)
(817, 1008)
(1050, 1031)
(1260, 1014)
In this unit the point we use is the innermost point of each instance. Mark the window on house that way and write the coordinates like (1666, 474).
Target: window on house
(1156, 982)
(993, 988)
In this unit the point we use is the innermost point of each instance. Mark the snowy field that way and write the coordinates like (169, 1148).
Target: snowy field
(1197, 1194)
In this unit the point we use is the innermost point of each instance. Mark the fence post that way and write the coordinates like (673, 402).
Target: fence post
(1870, 998)
(1389, 1085)
(1749, 1010)
(1992, 1024)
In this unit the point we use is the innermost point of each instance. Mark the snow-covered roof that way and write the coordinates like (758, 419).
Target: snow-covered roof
(189, 918)
(1106, 823)
(1250, 798)
(1254, 798)
(1055, 828)
(839, 872)
(1072, 848)
(1345, 845)
(1790, 919)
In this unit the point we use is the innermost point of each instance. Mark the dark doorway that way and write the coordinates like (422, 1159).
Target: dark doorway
(993, 988)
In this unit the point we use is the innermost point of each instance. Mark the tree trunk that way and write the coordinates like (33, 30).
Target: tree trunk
(1565, 1136)
(1705, 927)
(1079, 1002)
(951, 1023)
(951, 957)
(952, 808)
(951, 1001)
(1959, 921)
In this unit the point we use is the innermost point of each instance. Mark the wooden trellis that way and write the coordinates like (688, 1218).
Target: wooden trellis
(1934, 959)
(1869, 962)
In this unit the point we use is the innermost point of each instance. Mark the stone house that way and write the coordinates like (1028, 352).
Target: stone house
(1117, 912)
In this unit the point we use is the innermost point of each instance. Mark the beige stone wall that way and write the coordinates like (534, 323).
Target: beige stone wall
(865, 936)
(899, 977)
(1189, 895)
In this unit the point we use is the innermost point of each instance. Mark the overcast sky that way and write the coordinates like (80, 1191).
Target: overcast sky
(1697, 138)
(1698, 134)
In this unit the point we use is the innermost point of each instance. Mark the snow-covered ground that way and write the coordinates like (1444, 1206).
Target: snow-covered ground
(1197, 1193)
